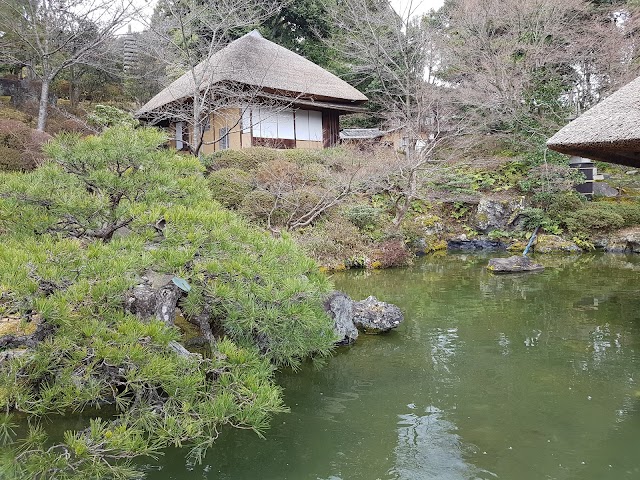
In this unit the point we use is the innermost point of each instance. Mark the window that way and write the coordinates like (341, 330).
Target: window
(224, 138)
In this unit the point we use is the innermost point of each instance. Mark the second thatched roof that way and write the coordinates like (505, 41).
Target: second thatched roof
(255, 61)
(609, 131)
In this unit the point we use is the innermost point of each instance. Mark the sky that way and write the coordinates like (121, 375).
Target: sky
(416, 6)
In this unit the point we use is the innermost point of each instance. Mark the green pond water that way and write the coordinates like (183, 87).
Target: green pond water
(510, 377)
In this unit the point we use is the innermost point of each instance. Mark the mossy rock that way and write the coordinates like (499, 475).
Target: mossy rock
(555, 244)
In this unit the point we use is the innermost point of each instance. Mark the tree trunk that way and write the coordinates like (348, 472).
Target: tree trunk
(196, 141)
(74, 89)
(44, 103)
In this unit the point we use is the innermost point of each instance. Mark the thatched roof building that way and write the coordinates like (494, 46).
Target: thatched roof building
(255, 61)
(609, 131)
(274, 98)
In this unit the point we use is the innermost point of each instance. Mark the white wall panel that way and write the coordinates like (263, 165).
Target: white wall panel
(246, 120)
(302, 125)
(179, 144)
(285, 124)
(315, 125)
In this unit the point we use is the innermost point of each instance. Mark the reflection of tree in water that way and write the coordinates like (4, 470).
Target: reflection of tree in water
(430, 448)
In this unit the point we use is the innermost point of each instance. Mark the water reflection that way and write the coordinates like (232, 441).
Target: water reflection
(429, 448)
(443, 348)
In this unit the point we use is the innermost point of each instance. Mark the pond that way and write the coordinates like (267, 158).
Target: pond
(511, 377)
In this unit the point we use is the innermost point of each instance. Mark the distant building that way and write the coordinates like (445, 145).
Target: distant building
(294, 102)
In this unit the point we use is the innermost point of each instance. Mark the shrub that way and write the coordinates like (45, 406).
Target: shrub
(587, 220)
(602, 216)
(279, 174)
(105, 116)
(393, 253)
(333, 241)
(229, 186)
(258, 205)
(537, 217)
(363, 216)
(305, 156)
(550, 178)
(246, 159)
(560, 203)
(20, 146)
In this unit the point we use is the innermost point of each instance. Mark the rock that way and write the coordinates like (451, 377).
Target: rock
(339, 306)
(603, 189)
(13, 336)
(156, 297)
(553, 244)
(181, 351)
(373, 317)
(370, 316)
(7, 355)
(624, 241)
(515, 264)
(461, 243)
(494, 214)
(122, 232)
(631, 172)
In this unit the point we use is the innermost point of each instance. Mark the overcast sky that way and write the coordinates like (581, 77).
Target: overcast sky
(401, 6)
(416, 6)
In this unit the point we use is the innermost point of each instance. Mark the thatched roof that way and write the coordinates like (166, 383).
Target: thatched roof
(609, 131)
(255, 61)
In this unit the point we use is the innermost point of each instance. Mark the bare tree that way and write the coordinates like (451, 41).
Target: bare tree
(522, 65)
(48, 36)
(186, 35)
(396, 58)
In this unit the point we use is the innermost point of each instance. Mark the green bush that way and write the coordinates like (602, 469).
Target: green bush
(105, 116)
(560, 203)
(246, 159)
(602, 216)
(363, 216)
(305, 156)
(229, 186)
(537, 217)
(550, 179)
(588, 220)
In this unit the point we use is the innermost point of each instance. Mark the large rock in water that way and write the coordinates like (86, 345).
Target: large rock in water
(370, 316)
(515, 264)
(339, 306)
(373, 316)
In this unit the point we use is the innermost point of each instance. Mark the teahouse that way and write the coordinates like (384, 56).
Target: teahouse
(294, 102)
